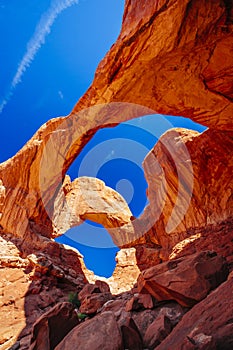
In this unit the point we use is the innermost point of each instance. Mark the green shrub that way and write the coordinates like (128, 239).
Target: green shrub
(73, 299)
(81, 316)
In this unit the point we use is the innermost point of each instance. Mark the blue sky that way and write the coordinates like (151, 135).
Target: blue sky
(49, 52)
(60, 50)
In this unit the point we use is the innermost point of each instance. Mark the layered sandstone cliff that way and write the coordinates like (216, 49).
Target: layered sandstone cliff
(171, 57)
(173, 46)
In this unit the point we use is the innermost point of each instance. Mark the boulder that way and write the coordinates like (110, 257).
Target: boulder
(186, 280)
(168, 310)
(94, 296)
(53, 326)
(132, 339)
(147, 256)
(171, 310)
(92, 303)
(144, 319)
(140, 301)
(157, 332)
(207, 326)
(90, 288)
(99, 333)
(114, 305)
(103, 286)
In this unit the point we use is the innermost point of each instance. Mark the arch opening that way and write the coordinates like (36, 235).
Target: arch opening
(115, 156)
(99, 259)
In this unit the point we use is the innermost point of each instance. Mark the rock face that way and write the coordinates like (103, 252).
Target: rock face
(186, 280)
(186, 173)
(126, 272)
(2, 197)
(124, 275)
(138, 320)
(198, 186)
(159, 321)
(171, 57)
(213, 236)
(208, 325)
(175, 58)
(31, 285)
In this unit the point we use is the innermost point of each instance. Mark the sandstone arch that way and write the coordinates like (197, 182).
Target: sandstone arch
(174, 57)
(184, 69)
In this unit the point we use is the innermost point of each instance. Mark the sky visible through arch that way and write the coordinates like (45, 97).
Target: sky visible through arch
(49, 53)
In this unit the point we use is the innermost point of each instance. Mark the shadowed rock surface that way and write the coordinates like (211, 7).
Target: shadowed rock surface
(52, 327)
(208, 325)
(104, 331)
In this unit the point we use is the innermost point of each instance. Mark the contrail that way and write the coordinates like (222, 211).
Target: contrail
(37, 40)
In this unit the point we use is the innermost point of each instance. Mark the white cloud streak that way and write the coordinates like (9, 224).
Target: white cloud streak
(3, 104)
(43, 28)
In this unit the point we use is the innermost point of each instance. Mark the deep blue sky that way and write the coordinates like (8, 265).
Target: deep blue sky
(49, 52)
(61, 69)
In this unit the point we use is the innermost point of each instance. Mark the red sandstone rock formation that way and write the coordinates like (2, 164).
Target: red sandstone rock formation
(193, 192)
(186, 280)
(164, 59)
(53, 326)
(208, 325)
(104, 331)
(126, 272)
(32, 284)
(174, 57)
(89, 198)
(171, 57)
